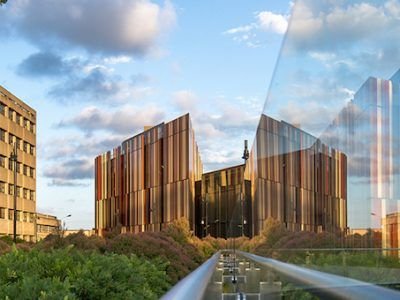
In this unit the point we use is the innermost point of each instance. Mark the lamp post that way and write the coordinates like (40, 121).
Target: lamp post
(63, 223)
(14, 159)
(204, 220)
(245, 157)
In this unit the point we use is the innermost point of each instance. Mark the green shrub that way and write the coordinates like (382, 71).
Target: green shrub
(70, 274)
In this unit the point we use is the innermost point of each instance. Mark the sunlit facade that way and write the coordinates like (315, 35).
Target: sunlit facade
(223, 203)
(391, 233)
(17, 126)
(296, 179)
(149, 180)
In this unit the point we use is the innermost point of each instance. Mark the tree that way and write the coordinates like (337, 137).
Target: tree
(3, 2)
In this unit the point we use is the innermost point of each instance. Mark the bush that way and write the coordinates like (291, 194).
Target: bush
(153, 245)
(70, 274)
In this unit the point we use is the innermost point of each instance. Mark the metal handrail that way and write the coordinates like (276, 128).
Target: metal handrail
(195, 284)
(324, 284)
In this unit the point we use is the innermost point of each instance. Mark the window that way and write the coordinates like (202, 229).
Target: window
(33, 128)
(26, 124)
(25, 193)
(32, 172)
(2, 161)
(19, 167)
(11, 189)
(10, 138)
(2, 213)
(18, 119)
(2, 135)
(26, 147)
(25, 216)
(18, 141)
(26, 170)
(10, 165)
(2, 109)
(31, 217)
(32, 195)
(19, 217)
(32, 150)
(11, 114)
(18, 191)
(10, 214)
(2, 187)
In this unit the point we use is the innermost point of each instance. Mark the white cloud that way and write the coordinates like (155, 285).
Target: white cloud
(269, 21)
(125, 120)
(130, 27)
(184, 100)
(265, 21)
(121, 59)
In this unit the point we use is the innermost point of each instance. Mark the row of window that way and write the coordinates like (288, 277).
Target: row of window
(17, 118)
(46, 228)
(21, 192)
(21, 168)
(21, 215)
(21, 145)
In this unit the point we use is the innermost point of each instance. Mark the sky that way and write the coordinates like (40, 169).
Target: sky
(97, 72)
(331, 48)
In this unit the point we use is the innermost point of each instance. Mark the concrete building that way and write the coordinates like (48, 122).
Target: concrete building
(45, 225)
(17, 126)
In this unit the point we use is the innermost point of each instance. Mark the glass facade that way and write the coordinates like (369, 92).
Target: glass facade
(223, 203)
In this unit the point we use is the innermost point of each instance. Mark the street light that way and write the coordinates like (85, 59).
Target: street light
(245, 157)
(14, 158)
(63, 223)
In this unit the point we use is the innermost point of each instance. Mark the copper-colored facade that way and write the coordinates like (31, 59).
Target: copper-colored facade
(223, 203)
(156, 177)
(149, 180)
(17, 125)
(296, 179)
(391, 233)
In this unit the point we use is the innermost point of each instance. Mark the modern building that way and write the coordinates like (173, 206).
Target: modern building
(149, 180)
(17, 126)
(156, 177)
(368, 131)
(46, 225)
(223, 203)
(296, 179)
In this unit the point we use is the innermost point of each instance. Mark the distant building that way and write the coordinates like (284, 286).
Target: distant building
(391, 233)
(222, 198)
(87, 232)
(17, 125)
(149, 180)
(45, 225)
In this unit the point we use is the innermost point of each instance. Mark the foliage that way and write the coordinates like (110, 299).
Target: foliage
(3, 2)
(69, 274)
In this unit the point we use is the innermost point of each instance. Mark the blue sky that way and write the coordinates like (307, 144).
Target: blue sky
(98, 71)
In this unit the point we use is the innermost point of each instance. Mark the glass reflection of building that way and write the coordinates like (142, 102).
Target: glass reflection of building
(296, 179)
(391, 233)
(148, 181)
(368, 131)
